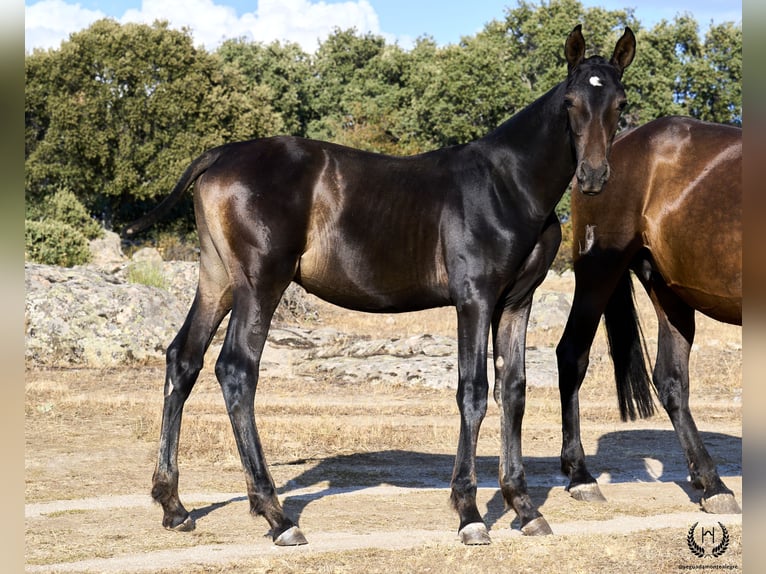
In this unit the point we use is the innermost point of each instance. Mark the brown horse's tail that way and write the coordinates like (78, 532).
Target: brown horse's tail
(628, 349)
(196, 169)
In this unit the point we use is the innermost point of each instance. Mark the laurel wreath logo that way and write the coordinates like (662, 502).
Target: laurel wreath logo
(699, 551)
(721, 548)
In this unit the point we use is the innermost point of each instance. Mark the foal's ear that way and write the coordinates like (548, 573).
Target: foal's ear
(574, 48)
(624, 51)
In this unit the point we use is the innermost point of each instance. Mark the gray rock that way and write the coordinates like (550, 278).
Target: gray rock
(86, 316)
(106, 251)
(148, 254)
(93, 316)
(550, 310)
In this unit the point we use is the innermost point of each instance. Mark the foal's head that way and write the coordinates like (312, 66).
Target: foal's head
(594, 99)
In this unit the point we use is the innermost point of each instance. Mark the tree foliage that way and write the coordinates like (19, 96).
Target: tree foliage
(118, 111)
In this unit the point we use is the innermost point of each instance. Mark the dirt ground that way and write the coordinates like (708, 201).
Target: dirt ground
(366, 470)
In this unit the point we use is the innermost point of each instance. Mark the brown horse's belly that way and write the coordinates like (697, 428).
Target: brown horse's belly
(699, 255)
(709, 288)
(721, 307)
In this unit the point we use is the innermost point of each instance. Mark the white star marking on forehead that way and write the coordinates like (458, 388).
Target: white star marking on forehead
(595, 81)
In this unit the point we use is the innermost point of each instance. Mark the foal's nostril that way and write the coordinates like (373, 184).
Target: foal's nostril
(591, 179)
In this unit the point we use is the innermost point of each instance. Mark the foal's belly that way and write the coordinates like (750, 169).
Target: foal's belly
(371, 282)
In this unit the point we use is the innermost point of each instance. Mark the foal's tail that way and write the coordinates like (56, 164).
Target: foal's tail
(627, 347)
(196, 169)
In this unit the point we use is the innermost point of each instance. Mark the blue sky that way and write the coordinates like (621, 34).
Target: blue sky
(48, 22)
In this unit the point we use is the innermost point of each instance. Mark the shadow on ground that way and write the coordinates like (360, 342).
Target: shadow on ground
(625, 456)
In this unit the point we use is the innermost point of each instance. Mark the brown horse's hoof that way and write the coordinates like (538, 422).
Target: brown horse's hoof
(589, 492)
(537, 527)
(721, 504)
(291, 537)
(186, 526)
(474, 534)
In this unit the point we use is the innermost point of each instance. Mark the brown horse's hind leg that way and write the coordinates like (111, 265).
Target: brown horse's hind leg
(671, 377)
(237, 372)
(184, 362)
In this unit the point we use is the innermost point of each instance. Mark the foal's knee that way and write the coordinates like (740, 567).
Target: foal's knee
(182, 370)
(472, 401)
(511, 390)
(237, 381)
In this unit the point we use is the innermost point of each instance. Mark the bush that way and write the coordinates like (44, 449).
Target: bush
(55, 243)
(563, 260)
(65, 207)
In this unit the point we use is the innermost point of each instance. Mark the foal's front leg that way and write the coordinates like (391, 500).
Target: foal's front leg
(509, 329)
(473, 388)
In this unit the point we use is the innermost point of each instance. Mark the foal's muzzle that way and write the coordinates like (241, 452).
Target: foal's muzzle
(592, 179)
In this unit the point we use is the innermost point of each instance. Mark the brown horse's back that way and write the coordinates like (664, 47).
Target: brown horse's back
(676, 189)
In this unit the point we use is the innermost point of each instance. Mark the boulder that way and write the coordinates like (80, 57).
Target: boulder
(106, 251)
(89, 317)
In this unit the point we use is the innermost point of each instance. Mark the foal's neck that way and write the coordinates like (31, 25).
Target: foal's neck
(534, 151)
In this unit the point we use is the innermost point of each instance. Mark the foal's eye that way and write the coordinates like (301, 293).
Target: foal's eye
(568, 103)
(621, 104)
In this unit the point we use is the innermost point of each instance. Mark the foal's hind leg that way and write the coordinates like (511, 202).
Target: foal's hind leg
(671, 377)
(184, 362)
(237, 372)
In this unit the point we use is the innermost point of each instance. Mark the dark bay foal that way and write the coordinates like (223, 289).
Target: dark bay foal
(470, 226)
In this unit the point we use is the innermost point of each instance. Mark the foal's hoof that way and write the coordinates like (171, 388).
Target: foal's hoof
(723, 503)
(291, 537)
(536, 527)
(588, 492)
(474, 533)
(185, 526)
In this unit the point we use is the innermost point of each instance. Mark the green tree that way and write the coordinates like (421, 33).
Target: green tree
(56, 231)
(463, 91)
(126, 108)
(677, 73)
(282, 67)
(714, 80)
(337, 65)
(64, 206)
(374, 104)
(656, 84)
(54, 242)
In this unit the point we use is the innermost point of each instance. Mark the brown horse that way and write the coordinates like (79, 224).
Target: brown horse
(671, 213)
(471, 226)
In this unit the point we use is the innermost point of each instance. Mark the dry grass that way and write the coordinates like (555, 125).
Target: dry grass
(341, 418)
(659, 552)
(94, 433)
